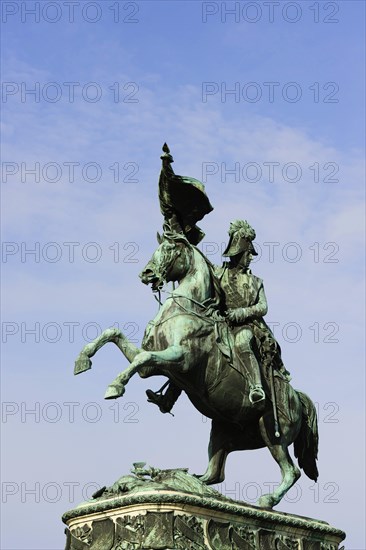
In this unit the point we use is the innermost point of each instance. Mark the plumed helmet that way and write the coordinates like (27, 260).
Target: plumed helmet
(241, 236)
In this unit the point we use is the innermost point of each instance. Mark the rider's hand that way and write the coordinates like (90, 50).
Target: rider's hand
(237, 315)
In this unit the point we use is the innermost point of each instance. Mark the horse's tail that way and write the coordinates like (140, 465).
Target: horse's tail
(306, 443)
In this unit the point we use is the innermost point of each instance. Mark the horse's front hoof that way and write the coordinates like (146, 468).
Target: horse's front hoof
(114, 391)
(82, 364)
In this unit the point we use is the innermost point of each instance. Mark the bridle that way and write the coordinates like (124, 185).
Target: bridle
(162, 274)
(164, 266)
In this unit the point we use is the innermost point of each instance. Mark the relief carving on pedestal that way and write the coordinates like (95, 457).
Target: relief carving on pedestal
(188, 533)
(283, 542)
(129, 532)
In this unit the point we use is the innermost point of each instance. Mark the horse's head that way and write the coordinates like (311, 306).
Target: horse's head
(170, 261)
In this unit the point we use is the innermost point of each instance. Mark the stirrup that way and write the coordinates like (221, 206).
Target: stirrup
(256, 394)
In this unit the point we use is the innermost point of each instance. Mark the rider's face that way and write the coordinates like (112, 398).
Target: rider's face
(245, 258)
(242, 259)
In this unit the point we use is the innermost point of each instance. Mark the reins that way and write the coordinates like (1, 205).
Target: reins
(186, 311)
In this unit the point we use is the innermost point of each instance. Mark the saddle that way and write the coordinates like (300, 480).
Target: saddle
(224, 339)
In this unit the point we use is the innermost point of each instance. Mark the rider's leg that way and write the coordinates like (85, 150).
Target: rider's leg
(165, 401)
(248, 364)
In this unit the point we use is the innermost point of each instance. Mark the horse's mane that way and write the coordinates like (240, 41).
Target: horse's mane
(216, 300)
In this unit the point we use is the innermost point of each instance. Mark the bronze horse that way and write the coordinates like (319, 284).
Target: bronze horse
(180, 343)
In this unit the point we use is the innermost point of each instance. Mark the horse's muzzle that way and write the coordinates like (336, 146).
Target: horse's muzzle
(148, 277)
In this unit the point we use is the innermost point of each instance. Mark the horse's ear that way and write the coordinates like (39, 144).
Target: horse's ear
(159, 238)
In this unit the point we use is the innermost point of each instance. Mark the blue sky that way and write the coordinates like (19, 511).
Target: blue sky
(171, 69)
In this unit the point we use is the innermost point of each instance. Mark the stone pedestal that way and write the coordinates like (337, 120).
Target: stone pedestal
(161, 519)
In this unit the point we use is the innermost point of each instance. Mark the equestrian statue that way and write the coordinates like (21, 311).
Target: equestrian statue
(209, 339)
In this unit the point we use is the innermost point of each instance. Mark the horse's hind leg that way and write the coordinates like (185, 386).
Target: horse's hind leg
(114, 335)
(217, 454)
(290, 473)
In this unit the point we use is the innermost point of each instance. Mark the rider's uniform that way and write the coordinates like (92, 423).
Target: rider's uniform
(252, 337)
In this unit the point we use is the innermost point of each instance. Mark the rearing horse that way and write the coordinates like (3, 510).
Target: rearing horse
(180, 343)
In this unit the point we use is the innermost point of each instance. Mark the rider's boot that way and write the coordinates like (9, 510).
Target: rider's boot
(256, 395)
(165, 401)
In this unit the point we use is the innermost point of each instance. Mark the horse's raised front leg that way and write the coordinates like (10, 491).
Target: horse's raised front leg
(170, 357)
(114, 335)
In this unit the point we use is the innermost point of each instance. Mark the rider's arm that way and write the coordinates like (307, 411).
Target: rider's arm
(242, 314)
(260, 308)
